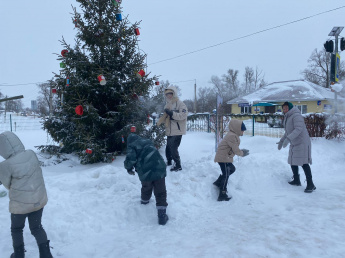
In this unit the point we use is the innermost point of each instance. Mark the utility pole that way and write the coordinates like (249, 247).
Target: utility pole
(50, 100)
(194, 96)
(336, 62)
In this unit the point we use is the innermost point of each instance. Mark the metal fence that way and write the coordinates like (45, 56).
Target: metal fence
(255, 124)
(15, 122)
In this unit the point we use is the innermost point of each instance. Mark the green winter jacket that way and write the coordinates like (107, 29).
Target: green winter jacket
(145, 158)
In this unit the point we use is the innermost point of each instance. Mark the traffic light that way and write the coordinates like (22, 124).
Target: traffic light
(342, 44)
(329, 46)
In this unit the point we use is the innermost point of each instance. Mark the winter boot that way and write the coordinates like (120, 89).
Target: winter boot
(45, 250)
(19, 252)
(144, 202)
(162, 217)
(177, 166)
(310, 186)
(169, 162)
(217, 182)
(296, 180)
(223, 196)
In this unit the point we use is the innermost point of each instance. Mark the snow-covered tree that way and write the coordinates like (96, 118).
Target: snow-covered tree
(102, 83)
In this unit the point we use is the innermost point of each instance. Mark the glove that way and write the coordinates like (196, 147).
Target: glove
(169, 112)
(286, 142)
(280, 144)
(245, 152)
(131, 172)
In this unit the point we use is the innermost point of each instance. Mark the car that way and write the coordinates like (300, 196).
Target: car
(23, 114)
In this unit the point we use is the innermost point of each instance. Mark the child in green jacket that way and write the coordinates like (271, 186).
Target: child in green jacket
(144, 157)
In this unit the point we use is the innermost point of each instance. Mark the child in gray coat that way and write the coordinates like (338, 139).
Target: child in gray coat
(21, 174)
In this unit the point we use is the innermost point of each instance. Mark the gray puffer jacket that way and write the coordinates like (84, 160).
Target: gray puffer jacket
(297, 134)
(22, 175)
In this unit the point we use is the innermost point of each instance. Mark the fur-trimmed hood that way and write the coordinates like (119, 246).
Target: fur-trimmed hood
(174, 92)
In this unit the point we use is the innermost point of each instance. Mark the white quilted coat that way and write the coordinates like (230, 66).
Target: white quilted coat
(22, 175)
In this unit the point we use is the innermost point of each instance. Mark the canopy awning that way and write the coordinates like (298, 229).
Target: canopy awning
(265, 104)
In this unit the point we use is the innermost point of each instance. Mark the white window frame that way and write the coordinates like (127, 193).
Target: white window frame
(246, 110)
(303, 108)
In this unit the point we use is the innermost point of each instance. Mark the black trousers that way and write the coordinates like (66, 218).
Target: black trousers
(171, 150)
(306, 169)
(227, 170)
(18, 224)
(159, 190)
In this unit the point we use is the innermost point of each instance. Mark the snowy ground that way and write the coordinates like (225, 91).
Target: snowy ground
(95, 211)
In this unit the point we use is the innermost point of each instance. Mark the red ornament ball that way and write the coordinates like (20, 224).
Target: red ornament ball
(79, 110)
(64, 52)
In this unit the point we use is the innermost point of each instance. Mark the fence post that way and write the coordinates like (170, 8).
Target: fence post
(208, 123)
(253, 124)
(11, 122)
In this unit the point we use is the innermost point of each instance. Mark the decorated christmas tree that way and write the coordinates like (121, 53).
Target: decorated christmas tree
(102, 84)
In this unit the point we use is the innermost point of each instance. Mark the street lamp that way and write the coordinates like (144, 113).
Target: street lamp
(335, 32)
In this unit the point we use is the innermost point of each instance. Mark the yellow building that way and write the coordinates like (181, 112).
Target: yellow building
(307, 96)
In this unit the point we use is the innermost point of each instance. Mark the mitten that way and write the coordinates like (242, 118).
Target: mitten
(280, 145)
(286, 142)
(245, 152)
(169, 112)
(131, 172)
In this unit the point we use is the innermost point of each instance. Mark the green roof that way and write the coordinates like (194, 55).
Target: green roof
(264, 104)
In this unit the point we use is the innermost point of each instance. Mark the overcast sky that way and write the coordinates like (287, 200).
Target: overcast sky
(31, 30)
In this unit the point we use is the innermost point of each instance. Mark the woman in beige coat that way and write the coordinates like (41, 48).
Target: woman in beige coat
(175, 120)
(227, 149)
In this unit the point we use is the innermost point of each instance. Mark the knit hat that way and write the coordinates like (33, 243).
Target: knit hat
(243, 127)
(168, 91)
(289, 104)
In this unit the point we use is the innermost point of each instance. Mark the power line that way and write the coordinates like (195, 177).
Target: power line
(5, 85)
(248, 35)
(184, 81)
(202, 49)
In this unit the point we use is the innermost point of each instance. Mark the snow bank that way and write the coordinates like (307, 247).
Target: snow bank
(95, 211)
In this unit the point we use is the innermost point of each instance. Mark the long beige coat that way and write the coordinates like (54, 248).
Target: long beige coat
(22, 175)
(178, 124)
(230, 145)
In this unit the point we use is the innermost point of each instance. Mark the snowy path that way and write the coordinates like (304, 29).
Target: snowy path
(94, 210)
